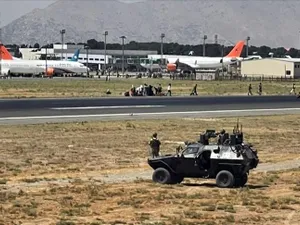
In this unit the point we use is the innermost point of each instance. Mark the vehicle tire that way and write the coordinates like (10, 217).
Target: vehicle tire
(162, 176)
(225, 179)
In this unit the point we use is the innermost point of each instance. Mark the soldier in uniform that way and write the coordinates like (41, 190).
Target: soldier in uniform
(155, 145)
(220, 136)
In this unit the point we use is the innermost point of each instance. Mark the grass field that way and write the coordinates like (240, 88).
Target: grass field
(18, 88)
(95, 146)
(33, 153)
(270, 199)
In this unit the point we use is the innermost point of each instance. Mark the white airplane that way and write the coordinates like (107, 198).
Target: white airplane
(200, 62)
(9, 65)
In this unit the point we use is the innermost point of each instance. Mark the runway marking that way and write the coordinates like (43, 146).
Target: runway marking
(146, 114)
(109, 107)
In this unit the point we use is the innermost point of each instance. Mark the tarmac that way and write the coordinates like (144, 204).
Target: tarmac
(30, 111)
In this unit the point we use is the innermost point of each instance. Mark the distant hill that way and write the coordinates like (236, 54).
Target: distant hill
(272, 23)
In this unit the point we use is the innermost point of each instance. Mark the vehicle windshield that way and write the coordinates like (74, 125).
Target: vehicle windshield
(191, 150)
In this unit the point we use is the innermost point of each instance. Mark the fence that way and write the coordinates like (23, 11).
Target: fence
(258, 78)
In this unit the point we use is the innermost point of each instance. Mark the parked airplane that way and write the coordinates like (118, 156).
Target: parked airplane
(74, 57)
(49, 67)
(200, 62)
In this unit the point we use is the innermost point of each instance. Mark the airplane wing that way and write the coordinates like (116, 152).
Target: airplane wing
(188, 63)
(53, 69)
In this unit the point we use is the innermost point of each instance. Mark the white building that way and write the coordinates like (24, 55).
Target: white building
(271, 68)
(92, 57)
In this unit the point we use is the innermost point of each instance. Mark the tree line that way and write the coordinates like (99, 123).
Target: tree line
(212, 50)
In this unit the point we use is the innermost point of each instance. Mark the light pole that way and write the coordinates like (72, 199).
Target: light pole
(62, 32)
(123, 37)
(162, 36)
(204, 38)
(87, 59)
(105, 34)
(299, 46)
(46, 65)
(216, 39)
(222, 60)
(247, 47)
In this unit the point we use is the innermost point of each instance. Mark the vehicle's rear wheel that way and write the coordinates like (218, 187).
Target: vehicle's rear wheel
(162, 176)
(225, 179)
(241, 181)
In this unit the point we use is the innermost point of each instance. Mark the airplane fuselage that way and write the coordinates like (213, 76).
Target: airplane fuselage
(198, 62)
(39, 66)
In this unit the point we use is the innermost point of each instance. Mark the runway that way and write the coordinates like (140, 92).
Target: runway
(79, 109)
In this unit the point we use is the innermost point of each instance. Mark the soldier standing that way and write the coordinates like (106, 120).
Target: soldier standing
(250, 90)
(155, 145)
(220, 136)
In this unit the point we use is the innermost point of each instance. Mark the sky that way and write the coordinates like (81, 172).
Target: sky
(13, 9)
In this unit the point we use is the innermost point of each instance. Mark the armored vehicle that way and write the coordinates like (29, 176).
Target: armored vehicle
(229, 160)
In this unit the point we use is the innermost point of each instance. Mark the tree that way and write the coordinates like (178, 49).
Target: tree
(36, 45)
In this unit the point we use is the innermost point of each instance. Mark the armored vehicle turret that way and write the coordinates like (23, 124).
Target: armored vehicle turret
(229, 160)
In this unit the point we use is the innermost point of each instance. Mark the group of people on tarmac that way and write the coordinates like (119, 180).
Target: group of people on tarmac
(147, 90)
(293, 90)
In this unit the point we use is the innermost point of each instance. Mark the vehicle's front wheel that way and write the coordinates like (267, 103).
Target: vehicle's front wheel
(225, 179)
(162, 176)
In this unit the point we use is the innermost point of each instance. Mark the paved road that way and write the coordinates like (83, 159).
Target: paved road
(77, 109)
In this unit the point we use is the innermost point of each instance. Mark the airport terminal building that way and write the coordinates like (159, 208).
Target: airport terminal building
(94, 58)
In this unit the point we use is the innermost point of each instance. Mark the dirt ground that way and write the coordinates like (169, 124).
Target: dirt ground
(32, 154)
(59, 88)
(63, 149)
(268, 198)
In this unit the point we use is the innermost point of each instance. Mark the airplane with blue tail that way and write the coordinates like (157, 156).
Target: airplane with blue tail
(75, 56)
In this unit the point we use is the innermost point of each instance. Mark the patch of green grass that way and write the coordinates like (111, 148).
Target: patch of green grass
(95, 88)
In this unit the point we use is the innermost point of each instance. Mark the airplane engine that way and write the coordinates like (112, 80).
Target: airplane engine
(50, 72)
(171, 67)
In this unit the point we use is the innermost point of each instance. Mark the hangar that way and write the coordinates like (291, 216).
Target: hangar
(271, 68)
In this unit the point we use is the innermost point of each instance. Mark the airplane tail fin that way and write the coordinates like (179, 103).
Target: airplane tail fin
(4, 54)
(75, 56)
(237, 50)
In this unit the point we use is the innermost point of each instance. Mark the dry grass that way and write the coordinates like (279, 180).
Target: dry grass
(95, 88)
(63, 150)
(143, 202)
(30, 153)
